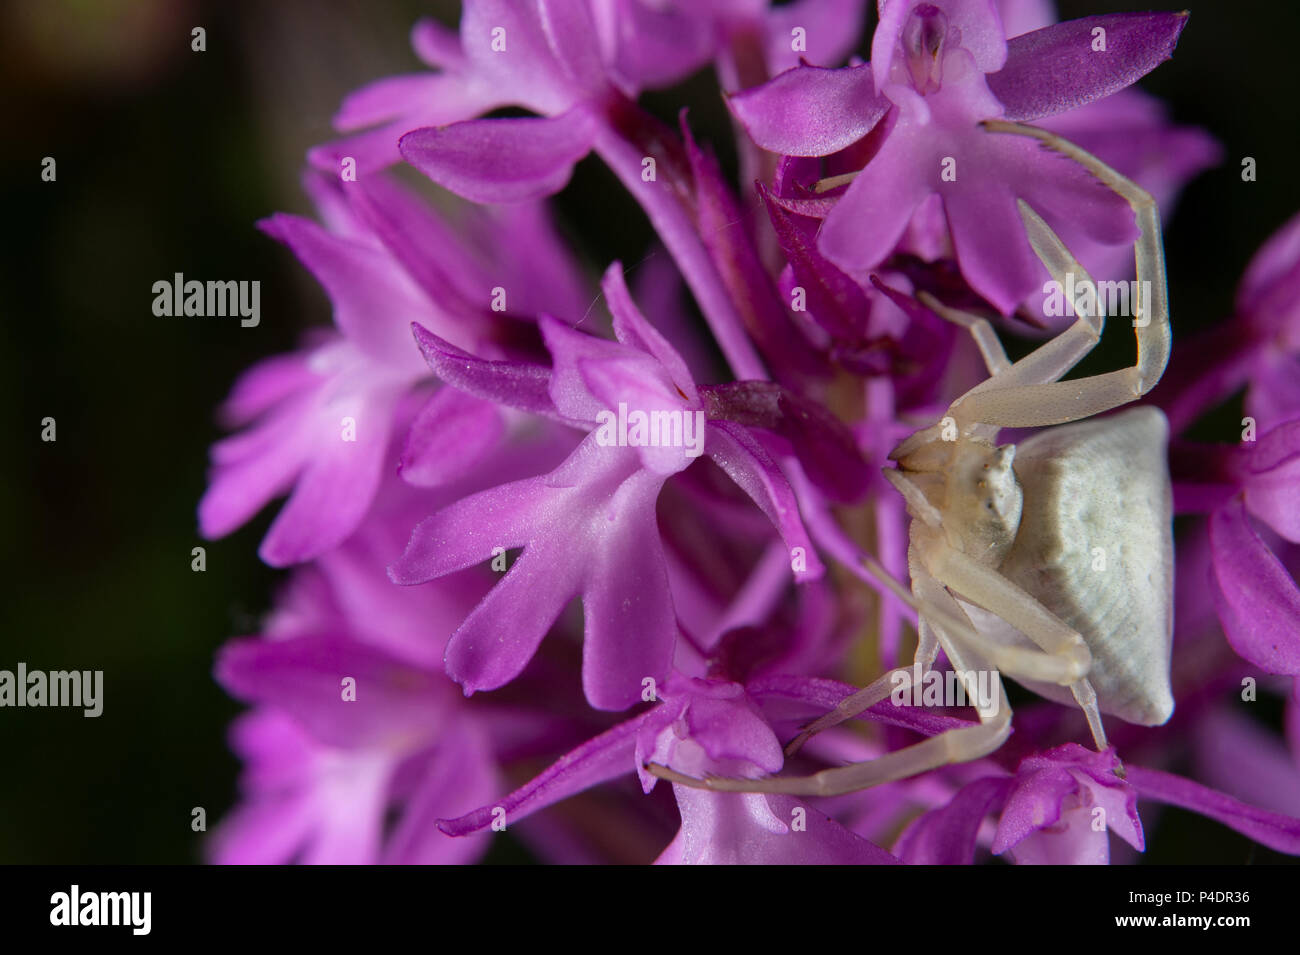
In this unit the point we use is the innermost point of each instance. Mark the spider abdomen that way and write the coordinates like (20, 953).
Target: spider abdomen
(1095, 546)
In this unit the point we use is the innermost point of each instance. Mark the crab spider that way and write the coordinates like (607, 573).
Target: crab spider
(1005, 540)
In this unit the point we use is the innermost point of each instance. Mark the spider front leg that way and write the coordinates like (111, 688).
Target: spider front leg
(1054, 358)
(1030, 394)
(1047, 363)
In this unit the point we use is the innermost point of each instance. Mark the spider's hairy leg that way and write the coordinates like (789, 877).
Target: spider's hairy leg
(1065, 659)
(1042, 399)
(900, 678)
(1151, 317)
(1054, 358)
(1047, 363)
(986, 339)
(1086, 697)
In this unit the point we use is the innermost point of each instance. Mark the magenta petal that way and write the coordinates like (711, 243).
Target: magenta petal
(1246, 761)
(1268, 828)
(1273, 485)
(1056, 69)
(386, 98)
(1052, 803)
(628, 609)
(1034, 802)
(267, 383)
(609, 755)
(451, 435)
(252, 467)
(374, 299)
(977, 22)
(432, 252)
(502, 633)
(1257, 600)
(436, 45)
(372, 150)
(832, 28)
(274, 820)
(736, 829)
(631, 328)
(1275, 266)
(989, 238)
(514, 383)
(810, 111)
(460, 775)
(263, 831)
(464, 533)
(885, 194)
(727, 725)
(336, 489)
(743, 459)
(836, 301)
(500, 636)
(656, 45)
(946, 836)
(573, 352)
(1274, 392)
(525, 71)
(571, 35)
(303, 677)
(350, 813)
(545, 275)
(723, 227)
(503, 160)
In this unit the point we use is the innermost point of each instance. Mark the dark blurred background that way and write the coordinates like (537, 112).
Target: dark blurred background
(165, 159)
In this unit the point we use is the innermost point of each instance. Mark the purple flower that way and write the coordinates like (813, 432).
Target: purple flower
(1059, 808)
(1256, 481)
(318, 422)
(700, 725)
(588, 527)
(1256, 597)
(1258, 348)
(470, 390)
(353, 718)
(547, 56)
(323, 771)
(938, 70)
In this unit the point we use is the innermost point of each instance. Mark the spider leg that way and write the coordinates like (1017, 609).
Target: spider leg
(986, 338)
(900, 677)
(1045, 364)
(952, 746)
(1049, 361)
(1030, 394)
(1054, 358)
(1066, 655)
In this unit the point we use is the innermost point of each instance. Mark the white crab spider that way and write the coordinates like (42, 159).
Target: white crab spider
(1003, 540)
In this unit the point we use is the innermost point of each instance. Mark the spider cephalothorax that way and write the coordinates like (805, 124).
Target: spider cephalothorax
(973, 485)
